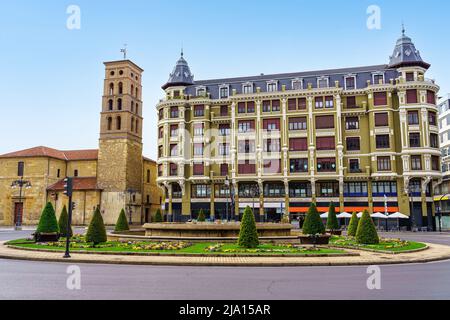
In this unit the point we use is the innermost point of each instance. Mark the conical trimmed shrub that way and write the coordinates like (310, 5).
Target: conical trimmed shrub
(48, 222)
(62, 222)
(158, 217)
(201, 216)
(332, 222)
(122, 223)
(313, 223)
(96, 233)
(353, 226)
(367, 232)
(248, 236)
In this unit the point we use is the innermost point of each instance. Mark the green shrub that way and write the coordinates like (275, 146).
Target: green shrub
(48, 222)
(313, 223)
(201, 216)
(332, 222)
(122, 223)
(63, 221)
(158, 217)
(96, 232)
(248, 236)
(367, 233)
(353, 226)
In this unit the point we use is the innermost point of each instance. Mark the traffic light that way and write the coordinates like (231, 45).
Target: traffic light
(68, 187)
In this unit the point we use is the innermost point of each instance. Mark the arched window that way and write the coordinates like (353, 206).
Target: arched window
(111, 89)
(132, 89)
(119, 104)
(110, 105)
(132, 106)
(109, 123)
(137, 126)
(120, 88)
(132, 124)
(148, 176)
(137, 93)
(119, 123)
(137, 108)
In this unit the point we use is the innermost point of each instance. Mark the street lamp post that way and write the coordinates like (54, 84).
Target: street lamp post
(227, 184)
(411, 204)
(21, 184)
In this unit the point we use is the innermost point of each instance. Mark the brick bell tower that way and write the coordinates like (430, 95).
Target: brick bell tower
(120, 159)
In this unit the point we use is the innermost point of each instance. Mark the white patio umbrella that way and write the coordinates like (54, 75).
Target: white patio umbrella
(360, 215)
(379, 215)
(324, 215)
(345, 216)
(398, 216)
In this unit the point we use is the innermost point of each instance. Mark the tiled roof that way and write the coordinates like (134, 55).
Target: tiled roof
(82, 184)
(181, 75)
(53, 153)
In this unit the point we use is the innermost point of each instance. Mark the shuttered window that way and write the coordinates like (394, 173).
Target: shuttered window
(271, 124)
(381, 119)
(298, 144)
(199, 169)
(351, 102)
(431, 97)
(302, 103)
(325, 122)
(292, 104)
(251, 107)
(247, 167)
(411, 96)
(380, 98)
(325, 143)
(297, 124)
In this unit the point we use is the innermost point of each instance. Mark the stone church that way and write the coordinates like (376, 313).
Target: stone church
(114, 177)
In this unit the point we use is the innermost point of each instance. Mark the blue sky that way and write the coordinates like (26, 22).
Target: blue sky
(52, 77)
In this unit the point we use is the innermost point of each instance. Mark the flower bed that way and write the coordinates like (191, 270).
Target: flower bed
(385, 245)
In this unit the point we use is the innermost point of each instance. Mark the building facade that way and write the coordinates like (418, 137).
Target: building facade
(363, 138)
(114, 177)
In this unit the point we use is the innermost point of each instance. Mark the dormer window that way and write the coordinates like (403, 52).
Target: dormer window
(322, 82)
(350, 82)
(224, 91)
(378, 78)
(409, 76)
(297, 84)
(272, 86)
(201, 92)
(247, 88)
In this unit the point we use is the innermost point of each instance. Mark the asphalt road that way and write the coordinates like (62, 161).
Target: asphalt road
(34, 280)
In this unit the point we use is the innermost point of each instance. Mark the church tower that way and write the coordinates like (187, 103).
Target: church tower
(120, 158)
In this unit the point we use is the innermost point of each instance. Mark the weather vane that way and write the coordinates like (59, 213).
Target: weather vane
(124, 51)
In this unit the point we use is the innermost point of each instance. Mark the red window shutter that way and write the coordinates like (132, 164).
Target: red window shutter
(298, 144)
(251, 107)
(411, 96)
(275, 103)
(302, 103)
(325, 143)
(380, 98)
(199, 169)
(351, 102)
(381, 119)
(292, 104)
(325, 122)
(431, 97)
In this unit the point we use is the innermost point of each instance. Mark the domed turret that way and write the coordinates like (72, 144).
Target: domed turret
(406, 55)
(181, 75)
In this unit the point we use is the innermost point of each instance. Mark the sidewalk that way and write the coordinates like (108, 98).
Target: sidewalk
(434, 253)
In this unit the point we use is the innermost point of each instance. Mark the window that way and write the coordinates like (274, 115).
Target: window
(199, 111)
(416, 162)
(356, 189)
(380, 98)
(381, 119)
(173, 150)
(353, 144)
(296, 124)
(224, 92)
(351, 103)
(222, 191)
(246, 126)
(409, 76)
(110, 123)
(319, 102)
(329, 102)
(300, 190)
(414, 140)
(20, 169)
(272, 166)
(432, 119)
(111, 89)
(247, 88)
(325, 143)
(148, 176)
(271, 124)
(248, 190)
(161, 133)
(266, 106)
(272, 87)
(377, 78)
(224, 149)
(302, 104)
(413, 118)
(58, 173)
(201, 191)
(298, 165)
(224, 169)
(110, 105)
(250, 107)
(199, 169)
(173, 169)
(298, 144)
(325, 122)
(383, 141)
(174, 112)
(160, 170)
(384, 188)
(75, 173)
(272, 145)
(118, 123)
(384, 163)
(354, 166)
(247, 167)
(274, 190)
(201, 92)
(161, 114)
(119, 104)
(352, 123)
(198, 149)
(160, 152)
(223, 111)
(328, 189)
(435, 161)
(120, 88)
(174, 130)
(431, 97)
(198, 129)
(411, 96)
(297, 84)
(326, 165)
(246, 146)
(322, 83)
(276, 105)
(292, 104)
(224, 130)
(350, 83)
(434, 140)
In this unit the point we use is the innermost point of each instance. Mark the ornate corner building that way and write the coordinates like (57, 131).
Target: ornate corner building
(114, 177)
(364, 138)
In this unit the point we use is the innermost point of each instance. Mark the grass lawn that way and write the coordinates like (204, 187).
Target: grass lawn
(390, 245)
(182, 248)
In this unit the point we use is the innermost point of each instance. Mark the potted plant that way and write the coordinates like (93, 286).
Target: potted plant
(313, 229)
(332, 222)
(48, 229)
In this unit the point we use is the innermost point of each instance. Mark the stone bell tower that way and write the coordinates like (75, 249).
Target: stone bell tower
(120, 148)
